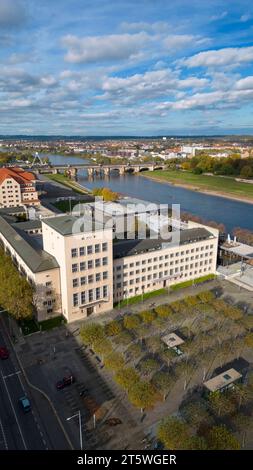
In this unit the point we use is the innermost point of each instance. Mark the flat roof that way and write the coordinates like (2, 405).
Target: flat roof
(172, 340)
(222, 380)
(64, 224)
(34, 257)
(124, 248)
(240, 249)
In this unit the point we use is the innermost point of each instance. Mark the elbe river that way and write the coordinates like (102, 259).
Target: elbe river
(227, 211)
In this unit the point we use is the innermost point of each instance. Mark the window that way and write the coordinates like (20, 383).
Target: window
(118, 268)
(83, 265)
(82, 251)
(98, 277)
(105, 275)
(89, 250)
(90, 295)
(83, 296)
(74, 252)
(118, 285)
(104, 246)
(97, 248)
(105, 261)
(90, 264)
(75, 300)
(49, 283)
(137, 263)
(74, 268)
(97, 262)
(75, 282)
(90, 278)
(83, 280)
(105, 291)
(98, 293)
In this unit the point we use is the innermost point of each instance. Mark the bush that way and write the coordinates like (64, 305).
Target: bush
(113, 328)
(163, 311)
(148, 316)
(127, 378)
(206, 296)
(114, 361)
(92, 333)
(131, 322)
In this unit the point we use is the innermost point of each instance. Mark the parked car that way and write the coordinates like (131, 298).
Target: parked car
(25, 404)
(113, 421)
(4, 353)
(68, 380)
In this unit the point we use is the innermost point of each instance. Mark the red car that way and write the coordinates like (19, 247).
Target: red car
(4, 353)
(65, 382)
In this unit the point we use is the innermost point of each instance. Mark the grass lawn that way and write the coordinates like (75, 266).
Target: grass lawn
(138, 298)
(60, 178)
(181, 285)
(203, 182)
(51, 323)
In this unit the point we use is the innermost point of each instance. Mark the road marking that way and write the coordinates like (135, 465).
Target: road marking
(14, 412)
(3, 434)
(11, 375)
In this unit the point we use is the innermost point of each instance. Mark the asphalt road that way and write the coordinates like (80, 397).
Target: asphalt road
(19, 430)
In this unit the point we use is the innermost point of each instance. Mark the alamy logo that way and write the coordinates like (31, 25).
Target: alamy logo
(129, 221)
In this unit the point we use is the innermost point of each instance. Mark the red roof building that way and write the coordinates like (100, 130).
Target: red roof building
(17, 188)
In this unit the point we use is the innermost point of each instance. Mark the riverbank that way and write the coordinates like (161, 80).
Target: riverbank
(227, 188)
(62, 179)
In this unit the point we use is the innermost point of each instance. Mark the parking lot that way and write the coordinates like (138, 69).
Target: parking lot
(50, 356)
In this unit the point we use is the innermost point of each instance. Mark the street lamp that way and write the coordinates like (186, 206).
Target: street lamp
(80, 427)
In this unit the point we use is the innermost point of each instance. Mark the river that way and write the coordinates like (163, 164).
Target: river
(229, 212)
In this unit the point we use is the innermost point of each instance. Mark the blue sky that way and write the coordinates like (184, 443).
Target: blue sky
(126, 67)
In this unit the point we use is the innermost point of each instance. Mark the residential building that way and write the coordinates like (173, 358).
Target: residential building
(17, 188)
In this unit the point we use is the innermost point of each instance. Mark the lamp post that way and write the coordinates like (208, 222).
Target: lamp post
(80, 427)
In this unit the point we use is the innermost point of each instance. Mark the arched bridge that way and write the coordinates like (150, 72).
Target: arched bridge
(93, 170)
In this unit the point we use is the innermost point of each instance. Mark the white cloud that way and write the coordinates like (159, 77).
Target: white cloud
(231, 56)
(180, 41)
(103, 48)
(245, 83)
(219, 16)
(244, 18)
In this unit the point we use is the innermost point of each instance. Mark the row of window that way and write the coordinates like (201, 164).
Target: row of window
(89, 250)
(89, 279)
(90, 264)
(161, 266)
(143, 288)
(90, 295)
(161, 258)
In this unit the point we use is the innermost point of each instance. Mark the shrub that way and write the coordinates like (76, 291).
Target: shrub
(163, 311)
(131, 322)
(148, 316)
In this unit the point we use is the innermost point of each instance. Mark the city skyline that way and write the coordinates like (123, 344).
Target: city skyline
(115, 69)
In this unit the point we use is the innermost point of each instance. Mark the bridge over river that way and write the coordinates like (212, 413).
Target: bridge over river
(92, 170)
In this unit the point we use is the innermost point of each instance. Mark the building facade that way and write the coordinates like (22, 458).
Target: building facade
(85, 260)
(78, 270)
(17, 188)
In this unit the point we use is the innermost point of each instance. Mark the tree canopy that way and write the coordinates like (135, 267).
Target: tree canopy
(16, 293)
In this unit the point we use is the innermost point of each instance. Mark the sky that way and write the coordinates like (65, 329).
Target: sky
(126, 67)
